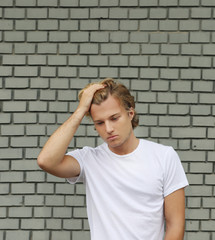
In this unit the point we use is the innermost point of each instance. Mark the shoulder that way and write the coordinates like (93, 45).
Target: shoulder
(155, 147)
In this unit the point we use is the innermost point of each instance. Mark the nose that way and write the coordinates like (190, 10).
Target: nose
(108, 127)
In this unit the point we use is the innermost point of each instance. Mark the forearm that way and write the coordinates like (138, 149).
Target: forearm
(175, 231)
(56, 146)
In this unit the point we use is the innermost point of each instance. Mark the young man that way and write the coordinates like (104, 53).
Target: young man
(132, 185)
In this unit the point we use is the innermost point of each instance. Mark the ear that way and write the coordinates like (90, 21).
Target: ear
(131, 113)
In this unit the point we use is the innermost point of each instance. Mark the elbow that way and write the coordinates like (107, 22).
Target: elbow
(41, 162)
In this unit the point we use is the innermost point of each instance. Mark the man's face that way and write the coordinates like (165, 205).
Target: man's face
(112, 122)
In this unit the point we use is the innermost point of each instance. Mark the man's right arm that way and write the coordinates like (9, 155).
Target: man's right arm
(52, 158)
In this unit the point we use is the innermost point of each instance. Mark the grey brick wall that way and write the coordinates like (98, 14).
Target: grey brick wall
(163, 50)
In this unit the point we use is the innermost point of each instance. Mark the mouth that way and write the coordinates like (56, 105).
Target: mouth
(112, 137)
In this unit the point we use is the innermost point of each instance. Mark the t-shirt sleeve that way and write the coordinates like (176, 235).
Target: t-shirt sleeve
(77, 154)
(174, 175)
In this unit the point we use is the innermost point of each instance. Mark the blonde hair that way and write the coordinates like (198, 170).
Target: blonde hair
(117, 90)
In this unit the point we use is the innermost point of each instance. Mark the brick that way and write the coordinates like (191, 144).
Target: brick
(58, 13)
(139, 37)
(57, 60)
(200, 12)
(47, 71)
(68, 190)
(67, 25)
(53, 224)
(47, 3)
(190, 3)
(208, 3)
(209, 180)
(26, 71)
(191, 25)
(37, 60)
(8, 3)
(81, 235)
(128, 25)
(187, 98)
(158, 13)
(25, 3)
(200, 110)
(62, 212)
(35, 176)
(197, 214)
(4, 142)
(199, 37)
(47, 25)
(181, 86)
(25, 25)
(54, 201)
(178, 61)
(67, 72)
(14, 60)
(110, 3)
(174, 121)
(32, 224)
(199, 191)
(149, 73)
(203, 121)
(160, 132)
(189, 133)
(37, 37)
(99, 13)
(24, 118)
(130, 49)
(34, 13)
(148, 25)
(89, 48)
(72, 224)
(4, 189)
(58, 107)
(178, 13)
(85, 3)
(14, 106)
(44, 48)
(79, 37)
(208, 225)
(159, 37)
(32, 130)
(46, 118)
(14, 13)
(168, 25)
(191, 49)
(9, 224)
(207, 98)
(109, 25)
(5, 71)
(20, 212)
(99, 60)
(79, 13)
(88, 72)
(159, 85)
(25, 94)
(58, 36)
(68, 3)
(103, 37)
(116, 13)
(159, 61)
(10, 200)
(191, 74)
(137, 13)
(6, 48)
(195, 179)
(42, 235)
(168, 3)
(198, 235)
(79, 212)
(38, 106)
(6, 25)
(45, 188)
(128, 72)
(208, 74)
(203, 144)
(32, 200)
(118, 60)
(5, 94)
(169, 73)
(22, 48)
(23, 141)
(8, 130)
(89, 25)
(14, 36)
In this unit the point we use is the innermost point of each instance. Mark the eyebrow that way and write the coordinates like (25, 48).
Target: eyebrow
(115, 114)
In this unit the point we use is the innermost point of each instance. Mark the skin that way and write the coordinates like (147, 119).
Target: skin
(113, 123)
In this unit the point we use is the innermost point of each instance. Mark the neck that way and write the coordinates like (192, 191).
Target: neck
(128, 146)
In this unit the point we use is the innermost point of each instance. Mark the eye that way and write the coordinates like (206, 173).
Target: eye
(115, 118)
(98, 123)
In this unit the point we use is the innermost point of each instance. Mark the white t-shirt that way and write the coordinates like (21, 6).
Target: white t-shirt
(125, 193)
